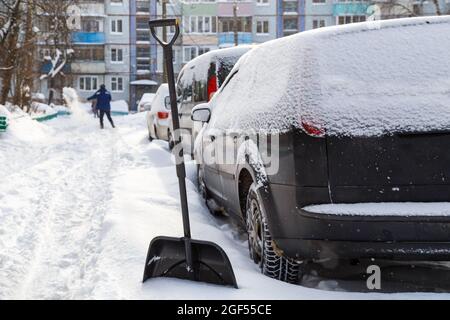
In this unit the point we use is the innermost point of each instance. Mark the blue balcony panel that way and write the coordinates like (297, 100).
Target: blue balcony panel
(350, 8)
(228, 38)
(47, 67)
(88, 37)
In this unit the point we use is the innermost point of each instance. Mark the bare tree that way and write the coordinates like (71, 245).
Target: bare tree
(58, 39)
(404, 8)
(19, 38)
(10, 44)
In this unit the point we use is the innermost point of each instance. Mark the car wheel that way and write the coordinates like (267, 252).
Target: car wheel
(150, 138)
(262, 249)
(156, 132)
(171, 141)
(201, 184)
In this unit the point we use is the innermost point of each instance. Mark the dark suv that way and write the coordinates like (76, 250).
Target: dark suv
(361, 145)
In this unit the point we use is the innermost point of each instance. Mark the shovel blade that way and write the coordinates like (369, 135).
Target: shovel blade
(167, 258)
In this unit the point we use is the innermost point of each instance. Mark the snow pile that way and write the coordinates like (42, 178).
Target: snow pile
(402, 209)
(120, 106)
(351, 80)
(22, 128)
(4, 111)
(39, 109)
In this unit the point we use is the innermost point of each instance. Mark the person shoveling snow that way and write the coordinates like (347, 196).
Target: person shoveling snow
(103, 98)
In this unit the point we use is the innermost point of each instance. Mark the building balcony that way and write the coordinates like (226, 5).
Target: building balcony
(228, 38)
(350, 8)
(88, 37)
(46, 67)
(226, 8)
(88, 67)
(92, 9)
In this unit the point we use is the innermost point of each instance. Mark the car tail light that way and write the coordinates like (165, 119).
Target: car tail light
(313, 130)
(163, 115)
(212, 87)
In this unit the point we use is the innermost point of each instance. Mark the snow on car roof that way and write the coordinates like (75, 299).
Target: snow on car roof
(362, 79)
(198, 67)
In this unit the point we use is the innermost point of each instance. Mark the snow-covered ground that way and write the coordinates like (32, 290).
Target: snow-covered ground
(79, 207)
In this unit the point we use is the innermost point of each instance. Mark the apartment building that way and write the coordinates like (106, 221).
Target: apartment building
(101, 50)
(301, 15)
(209, 24)
(112, 44)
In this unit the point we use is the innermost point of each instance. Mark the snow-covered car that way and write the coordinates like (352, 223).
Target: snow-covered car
(199, 81)
(358, 121)
(146, 102)
(159, 117)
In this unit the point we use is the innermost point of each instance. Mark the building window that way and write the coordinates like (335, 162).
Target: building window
(117, 84)
(116, 55)
(290, 24)
(190, 53)
(117, 26)
(116, 2)
(200, 24)
(319, 1)
(88, 83)
(290, 7)
(262, 2)
(262, 27)
(89, 25)
(318, 23)
(350, 19)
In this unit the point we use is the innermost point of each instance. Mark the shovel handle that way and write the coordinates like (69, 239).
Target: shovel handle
(162, 23)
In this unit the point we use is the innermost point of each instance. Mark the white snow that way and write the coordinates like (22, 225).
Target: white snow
(405, 209)
(119, 106)
(351, 80)
(147, 98)
(198, 67)
(79, 207)
(144, 82)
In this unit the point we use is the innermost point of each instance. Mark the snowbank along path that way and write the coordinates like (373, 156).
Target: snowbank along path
(79, 206)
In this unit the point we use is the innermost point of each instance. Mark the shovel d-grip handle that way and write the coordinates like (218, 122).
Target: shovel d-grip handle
(155, 24)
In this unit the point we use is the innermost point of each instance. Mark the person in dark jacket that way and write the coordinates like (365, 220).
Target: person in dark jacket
(103, 98)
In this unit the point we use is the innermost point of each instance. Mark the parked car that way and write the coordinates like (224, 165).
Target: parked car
(197, 83)
(363, 128)
(159, 117)
(146, 102)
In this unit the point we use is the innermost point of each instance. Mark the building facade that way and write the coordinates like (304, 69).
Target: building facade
(112, 43)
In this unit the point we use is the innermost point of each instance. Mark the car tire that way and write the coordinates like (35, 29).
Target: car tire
(262, 249)
(150, 138)
(171, 141)
(156, 132)
(201, 184)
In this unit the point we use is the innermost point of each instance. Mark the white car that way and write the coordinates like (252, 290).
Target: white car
(159, 117)
(146, 102)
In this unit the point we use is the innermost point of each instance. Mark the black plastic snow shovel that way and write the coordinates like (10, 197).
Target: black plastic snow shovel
(184, 258)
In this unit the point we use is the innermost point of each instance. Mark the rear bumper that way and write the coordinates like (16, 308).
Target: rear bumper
(322, 249)
(399, 238)
(306, 235)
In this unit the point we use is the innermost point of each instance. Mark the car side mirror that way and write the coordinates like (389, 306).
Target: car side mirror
(168, 103)
(201, 113)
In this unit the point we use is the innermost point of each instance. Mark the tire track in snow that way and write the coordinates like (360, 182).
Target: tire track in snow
(60, 239)
(74, 230)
